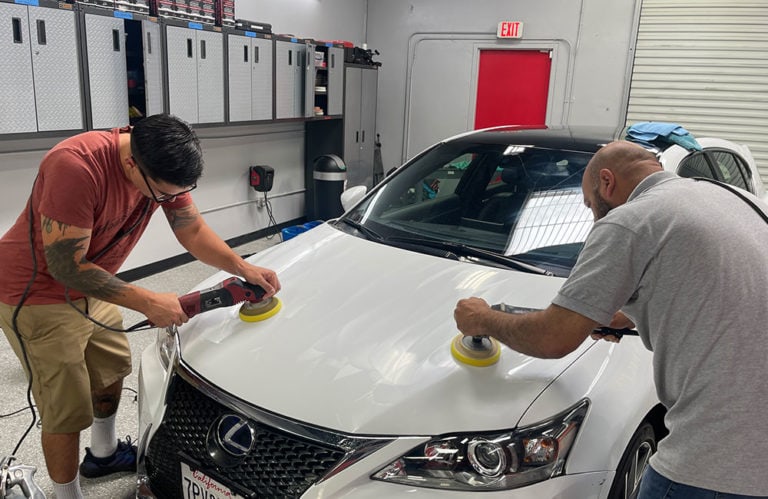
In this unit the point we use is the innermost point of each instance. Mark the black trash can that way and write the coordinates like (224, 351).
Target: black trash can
(329, 176)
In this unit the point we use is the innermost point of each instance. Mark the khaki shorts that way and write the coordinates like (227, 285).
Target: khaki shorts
(69, 356)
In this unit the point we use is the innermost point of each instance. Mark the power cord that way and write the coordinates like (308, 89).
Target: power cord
(272, 222)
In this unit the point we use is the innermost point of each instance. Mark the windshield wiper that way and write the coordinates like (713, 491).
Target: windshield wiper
(368, 233)
(471, 252)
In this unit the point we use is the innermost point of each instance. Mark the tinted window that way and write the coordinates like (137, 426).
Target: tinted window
(729, 169)
(696, 165)
(513, 200)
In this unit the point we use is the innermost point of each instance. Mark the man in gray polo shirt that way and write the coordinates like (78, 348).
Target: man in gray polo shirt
(686, 262)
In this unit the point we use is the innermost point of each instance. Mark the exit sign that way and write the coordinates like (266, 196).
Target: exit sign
(510, 29)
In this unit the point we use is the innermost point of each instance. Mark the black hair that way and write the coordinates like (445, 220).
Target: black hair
(167, 149)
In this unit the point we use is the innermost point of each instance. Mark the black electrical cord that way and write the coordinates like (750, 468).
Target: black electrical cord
(272, 222)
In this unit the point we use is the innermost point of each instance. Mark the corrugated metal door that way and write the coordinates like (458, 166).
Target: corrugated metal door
(704, 64)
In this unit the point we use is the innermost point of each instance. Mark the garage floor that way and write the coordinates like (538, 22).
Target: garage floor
(13, 396)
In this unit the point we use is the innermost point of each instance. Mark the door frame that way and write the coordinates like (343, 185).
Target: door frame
(560, 77)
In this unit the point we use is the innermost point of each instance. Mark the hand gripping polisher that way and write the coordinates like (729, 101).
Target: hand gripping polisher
(229, 292)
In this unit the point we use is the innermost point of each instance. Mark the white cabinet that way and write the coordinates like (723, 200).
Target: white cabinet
(40, 64)
(195, 64)
(290, 70)
(250, 77)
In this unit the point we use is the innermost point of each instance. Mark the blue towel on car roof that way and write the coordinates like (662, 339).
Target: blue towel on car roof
(655, 134)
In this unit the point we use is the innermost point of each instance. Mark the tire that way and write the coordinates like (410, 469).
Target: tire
(641, 447)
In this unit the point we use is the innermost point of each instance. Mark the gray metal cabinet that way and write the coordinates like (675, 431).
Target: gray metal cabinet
(310, 76)
(360, 124)
(289, 79)
(153, 67)
(335, 64)
(107, 72)
(195, 64)
(250, 78)
(41, 89)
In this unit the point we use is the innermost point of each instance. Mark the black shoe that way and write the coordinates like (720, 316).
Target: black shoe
(124, 459)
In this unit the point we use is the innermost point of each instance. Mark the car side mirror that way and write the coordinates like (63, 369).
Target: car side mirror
(351, 196)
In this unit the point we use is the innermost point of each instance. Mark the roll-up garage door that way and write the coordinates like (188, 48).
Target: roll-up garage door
(704, 64)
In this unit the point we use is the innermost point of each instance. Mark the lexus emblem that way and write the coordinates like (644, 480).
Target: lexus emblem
(234, 435)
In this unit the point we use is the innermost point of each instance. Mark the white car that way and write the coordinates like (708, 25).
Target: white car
(352, 389)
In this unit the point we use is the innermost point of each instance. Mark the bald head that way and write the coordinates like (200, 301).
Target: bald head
(613, 173)
(628, 161)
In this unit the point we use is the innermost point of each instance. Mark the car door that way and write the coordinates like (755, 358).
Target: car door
(720, 160)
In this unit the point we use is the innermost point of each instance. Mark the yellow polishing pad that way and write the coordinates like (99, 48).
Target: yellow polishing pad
(478, 351)
(255, 312)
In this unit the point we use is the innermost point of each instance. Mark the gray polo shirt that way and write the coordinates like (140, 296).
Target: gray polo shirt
(687, 261)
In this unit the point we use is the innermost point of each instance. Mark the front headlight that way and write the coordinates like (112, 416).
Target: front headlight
(167, 345)
(490, 461)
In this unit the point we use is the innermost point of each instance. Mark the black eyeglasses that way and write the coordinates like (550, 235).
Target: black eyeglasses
(164, 196)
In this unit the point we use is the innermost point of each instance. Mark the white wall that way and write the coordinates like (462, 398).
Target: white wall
(318, 19)
(590, 40)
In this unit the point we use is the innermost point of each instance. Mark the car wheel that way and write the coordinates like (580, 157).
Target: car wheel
(641, 447)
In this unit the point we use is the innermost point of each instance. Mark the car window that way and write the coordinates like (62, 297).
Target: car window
(519, 201)
(730, 169)
(696, 165)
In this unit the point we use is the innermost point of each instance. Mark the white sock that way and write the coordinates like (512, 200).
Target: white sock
(103, 437)
(69, 490)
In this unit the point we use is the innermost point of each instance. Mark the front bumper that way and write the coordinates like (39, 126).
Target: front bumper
(289, 459)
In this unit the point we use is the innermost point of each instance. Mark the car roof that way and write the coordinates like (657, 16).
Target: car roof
(582, 138)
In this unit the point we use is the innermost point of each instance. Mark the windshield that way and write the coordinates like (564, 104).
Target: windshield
(518, 201)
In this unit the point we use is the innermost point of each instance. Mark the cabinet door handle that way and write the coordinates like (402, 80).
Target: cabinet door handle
(189, 48)
(245, 53)
(16, 23)
(333, 60)
(255, 55)
(363, 136)
(357, 136)
(149, 42)
(202, 49)
(116, 40)
(41, 38)
(290, 57)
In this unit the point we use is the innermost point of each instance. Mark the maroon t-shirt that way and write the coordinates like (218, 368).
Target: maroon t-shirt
(80, 183)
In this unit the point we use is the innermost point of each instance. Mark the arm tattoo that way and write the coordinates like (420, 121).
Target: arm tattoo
(181, 218)
(48, 225)
(95, 282)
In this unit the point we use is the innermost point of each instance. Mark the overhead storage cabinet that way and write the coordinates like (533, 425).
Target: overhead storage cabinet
(324, 80)
(195, 62)
(41, 88)
(335, 68)
(104, 49)
(250, 76)
(361, 87)
(290, 69)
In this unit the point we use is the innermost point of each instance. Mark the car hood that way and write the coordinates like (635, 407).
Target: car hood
(362, 342)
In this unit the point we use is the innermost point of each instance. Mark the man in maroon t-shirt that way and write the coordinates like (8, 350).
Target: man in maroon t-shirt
(91, 201)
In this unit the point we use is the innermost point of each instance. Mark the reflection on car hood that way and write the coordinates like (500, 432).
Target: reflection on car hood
(362, 343)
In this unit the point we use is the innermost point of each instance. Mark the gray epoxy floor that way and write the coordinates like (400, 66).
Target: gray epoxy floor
(13, 396)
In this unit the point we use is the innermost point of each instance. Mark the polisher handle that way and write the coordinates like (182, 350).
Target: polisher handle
(225, 294)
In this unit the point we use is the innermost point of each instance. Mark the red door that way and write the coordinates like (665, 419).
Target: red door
(512, 88)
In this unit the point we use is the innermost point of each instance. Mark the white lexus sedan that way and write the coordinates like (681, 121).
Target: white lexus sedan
(352, 389)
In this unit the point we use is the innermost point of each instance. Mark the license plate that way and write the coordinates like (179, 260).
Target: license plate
(197, 485)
